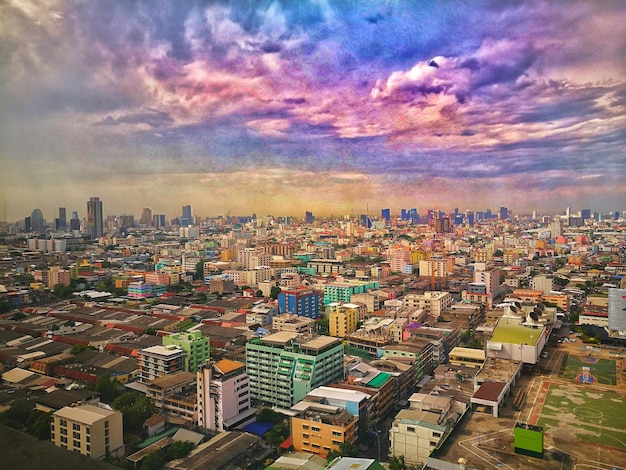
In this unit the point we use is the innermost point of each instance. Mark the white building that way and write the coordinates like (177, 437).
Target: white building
(156, 361)
(223, 391)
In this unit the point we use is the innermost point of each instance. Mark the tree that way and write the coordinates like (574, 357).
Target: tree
(267, 415)
(323, 326)
(259, 293)
(277, 434)
(274, 292)
(77, 348)
(108, 389)
(346, 449)
(179, 449)
(135, 408)
(5, 306)
(397, 463)
(153, 461)
(200, 270)
(498, 253)
(38, 424)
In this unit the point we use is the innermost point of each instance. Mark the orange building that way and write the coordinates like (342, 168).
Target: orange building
(318, 429)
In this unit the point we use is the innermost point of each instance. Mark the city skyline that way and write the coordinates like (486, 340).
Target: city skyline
(325, 107)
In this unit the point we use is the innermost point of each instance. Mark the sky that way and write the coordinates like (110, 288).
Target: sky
(334, 107)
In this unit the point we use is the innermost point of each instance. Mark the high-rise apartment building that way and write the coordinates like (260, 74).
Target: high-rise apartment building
(343, 319)
(283, 367)
(617, 310)
(223, 391)
(157, 361)
(196, 346)
(89, 430)
(95, 220)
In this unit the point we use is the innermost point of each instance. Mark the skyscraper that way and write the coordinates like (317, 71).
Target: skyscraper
(95, 221)
(186, 218)
(36, 221)
(386, 214)
(146, 217)
(62, 225)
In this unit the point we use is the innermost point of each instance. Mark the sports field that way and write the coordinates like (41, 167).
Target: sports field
(588, 369)
(570, 410)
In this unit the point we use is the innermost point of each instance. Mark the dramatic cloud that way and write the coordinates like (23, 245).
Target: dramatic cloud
(402, 103)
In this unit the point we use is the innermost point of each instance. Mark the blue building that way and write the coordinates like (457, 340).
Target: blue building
(304, 302)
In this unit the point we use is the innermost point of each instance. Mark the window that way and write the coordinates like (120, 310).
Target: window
(64, 439)
(305, 426)
(410, 429)
(336, 433)
(315, 446)
(88, 430)
(76, 427)
(305, 436)
(336, 443)
(76, 443)
(76, 435)
(64, 431)
(63, 422)
(314, 428)
(88, 439)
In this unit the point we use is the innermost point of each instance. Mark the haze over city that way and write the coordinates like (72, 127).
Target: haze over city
(330, 107)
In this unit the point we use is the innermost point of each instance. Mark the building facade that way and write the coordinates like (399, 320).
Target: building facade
(195, 345)
(301, 302)
(223, 392)
(89, 430)
(283, 368)
(156, 361)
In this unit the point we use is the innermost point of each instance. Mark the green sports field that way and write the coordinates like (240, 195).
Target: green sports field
(579, 411)
(602, 371)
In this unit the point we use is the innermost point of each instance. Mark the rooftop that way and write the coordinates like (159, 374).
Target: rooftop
(509, 330)
(86, 414)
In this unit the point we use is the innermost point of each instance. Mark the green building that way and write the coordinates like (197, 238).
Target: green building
(528, 440)
(342, 291)
(196, 345)
(283, 368)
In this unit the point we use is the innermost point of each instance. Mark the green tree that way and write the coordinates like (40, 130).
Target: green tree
(323, 326)
(259, 293)
(267, 415)
(153, 461)
(78, 348)
(135, 408)
(346, 449)
(17, 415)
(108, 389)
(5, 306)
(179, 449)
(62, 291)
(397, 463)
(38, 424)
(277, 434)
(498, 253)
(200, 270)
(274, 292)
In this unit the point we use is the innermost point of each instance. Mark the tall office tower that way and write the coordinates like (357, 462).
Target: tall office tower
(386, 214)
(534, 215)
(146, 217)
(504, 213)
(309, 218)
(74, 221)
(403, 214)
(36, 221)
(366, 221)
(95, 222)
(158, 220)
(585, 214)
(414, 216)
(186, 218)
(27, 224)
(62, 218)
(488, 214)
(568, 211)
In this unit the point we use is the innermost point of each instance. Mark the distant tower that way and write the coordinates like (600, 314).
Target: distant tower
(62, 225)
(146, 217)
(386, 214)
(95, 221)
(186, 219)
(36, 221)
(309, 218)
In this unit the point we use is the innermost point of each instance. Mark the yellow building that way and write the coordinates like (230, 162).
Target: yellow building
(90, 430)
(318, 429)
(343, 319)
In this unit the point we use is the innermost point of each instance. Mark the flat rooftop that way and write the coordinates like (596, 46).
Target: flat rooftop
(510, 331)
(86, 414)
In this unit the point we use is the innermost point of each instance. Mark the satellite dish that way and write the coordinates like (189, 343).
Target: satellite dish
(514, 309)
(541, 306)
(534, 315)
(538, 311)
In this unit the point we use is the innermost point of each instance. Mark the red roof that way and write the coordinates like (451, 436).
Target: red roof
(489, 391)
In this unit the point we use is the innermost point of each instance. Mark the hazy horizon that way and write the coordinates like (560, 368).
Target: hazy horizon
(323, 106)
